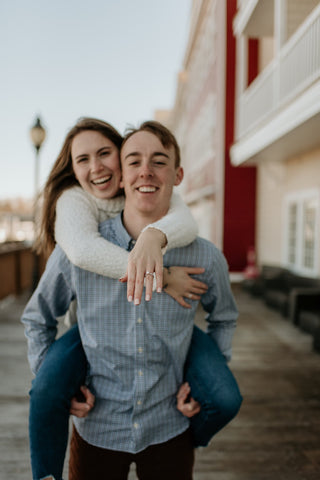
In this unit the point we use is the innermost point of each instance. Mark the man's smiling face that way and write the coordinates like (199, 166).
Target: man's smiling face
(148, 174)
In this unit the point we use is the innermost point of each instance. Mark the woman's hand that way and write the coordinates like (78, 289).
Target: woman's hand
(145, 263)
(187, 405)
(82, 408)
(179, 284)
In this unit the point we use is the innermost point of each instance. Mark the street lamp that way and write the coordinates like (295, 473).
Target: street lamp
(37, 134)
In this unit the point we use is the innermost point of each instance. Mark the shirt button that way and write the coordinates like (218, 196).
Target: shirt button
(139, 402)
(140, 320)
(140, 373)
(140, 350)
(136, 425)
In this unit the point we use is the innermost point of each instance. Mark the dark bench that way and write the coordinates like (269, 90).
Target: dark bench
(307, 313)
(256, 286)
(282, 290)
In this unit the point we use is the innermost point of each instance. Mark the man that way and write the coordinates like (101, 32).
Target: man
(136, 353)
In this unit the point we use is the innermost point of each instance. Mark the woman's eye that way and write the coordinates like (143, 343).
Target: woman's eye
(82, 159)
(105, 152)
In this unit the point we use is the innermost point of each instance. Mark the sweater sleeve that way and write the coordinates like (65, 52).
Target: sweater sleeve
(76, 231)
(178, 225)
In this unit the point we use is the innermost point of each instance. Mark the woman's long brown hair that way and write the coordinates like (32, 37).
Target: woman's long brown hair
(62, 177)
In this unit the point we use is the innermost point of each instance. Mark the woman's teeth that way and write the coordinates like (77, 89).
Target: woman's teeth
(100, 181)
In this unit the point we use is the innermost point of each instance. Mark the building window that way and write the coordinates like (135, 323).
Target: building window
(309, 233)
(302, 213)
(292, 234)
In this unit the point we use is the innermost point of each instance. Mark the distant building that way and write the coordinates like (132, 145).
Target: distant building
(278, 126)
(221, 196)
(16, 220)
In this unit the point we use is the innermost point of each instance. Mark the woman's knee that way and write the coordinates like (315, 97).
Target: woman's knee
(63, 370)
(226, 400)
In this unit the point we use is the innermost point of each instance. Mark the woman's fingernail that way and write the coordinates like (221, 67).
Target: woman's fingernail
(130, 298)
(148, 298)
(136, 301)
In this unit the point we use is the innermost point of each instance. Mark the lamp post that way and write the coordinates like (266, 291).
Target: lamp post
(37, 134)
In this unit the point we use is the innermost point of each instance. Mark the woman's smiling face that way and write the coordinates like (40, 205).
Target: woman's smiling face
(96, 164)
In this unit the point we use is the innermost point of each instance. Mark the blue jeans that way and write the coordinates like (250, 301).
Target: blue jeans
(63, 371)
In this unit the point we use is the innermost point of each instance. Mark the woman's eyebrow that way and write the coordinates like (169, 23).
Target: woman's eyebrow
(98, 151)
(81, 155)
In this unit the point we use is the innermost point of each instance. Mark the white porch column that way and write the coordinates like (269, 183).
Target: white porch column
(280, 25)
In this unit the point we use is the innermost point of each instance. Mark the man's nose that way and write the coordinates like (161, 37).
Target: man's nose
(146, 170)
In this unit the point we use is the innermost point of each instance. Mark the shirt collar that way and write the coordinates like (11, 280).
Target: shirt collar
(120, 234)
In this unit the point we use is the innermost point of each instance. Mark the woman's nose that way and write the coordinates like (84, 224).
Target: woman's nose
(96, 164)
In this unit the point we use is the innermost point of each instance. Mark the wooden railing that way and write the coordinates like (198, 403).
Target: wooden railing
(295, 69)
(17, 268)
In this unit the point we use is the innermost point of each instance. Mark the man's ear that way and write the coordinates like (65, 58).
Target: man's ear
(179, 176)
(121, 182)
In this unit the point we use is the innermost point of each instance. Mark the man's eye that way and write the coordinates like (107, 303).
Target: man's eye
(105, 153)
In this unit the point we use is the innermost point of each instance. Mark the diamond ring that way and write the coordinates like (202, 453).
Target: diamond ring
(149, 273)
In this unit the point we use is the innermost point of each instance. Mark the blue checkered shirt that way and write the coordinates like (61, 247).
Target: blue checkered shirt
(136, 354)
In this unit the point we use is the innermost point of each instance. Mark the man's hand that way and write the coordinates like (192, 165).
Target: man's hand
(188, 406)
(82, 408)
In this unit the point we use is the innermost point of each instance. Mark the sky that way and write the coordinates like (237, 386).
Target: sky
(117, 60)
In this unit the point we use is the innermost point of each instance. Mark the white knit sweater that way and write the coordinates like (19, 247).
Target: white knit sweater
(78, 215)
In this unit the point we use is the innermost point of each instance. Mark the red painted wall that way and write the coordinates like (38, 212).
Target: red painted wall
(240, 182)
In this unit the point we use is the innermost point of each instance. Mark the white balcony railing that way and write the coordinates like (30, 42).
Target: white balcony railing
(295, 68)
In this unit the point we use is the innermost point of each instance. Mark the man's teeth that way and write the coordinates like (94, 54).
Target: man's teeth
(147, 189)
(101, 180)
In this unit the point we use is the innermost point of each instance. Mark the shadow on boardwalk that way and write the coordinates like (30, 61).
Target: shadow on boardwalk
(276, 435)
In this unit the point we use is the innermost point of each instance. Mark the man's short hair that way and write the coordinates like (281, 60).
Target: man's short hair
(166, 138)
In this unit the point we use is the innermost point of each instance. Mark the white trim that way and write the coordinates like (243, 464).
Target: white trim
(297, 113)
(243, 16)
(199, 194)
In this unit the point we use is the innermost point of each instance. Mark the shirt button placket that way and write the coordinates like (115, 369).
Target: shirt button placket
(140, 359)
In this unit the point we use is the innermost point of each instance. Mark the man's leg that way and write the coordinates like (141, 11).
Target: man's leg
(88, 462)
(58, 380)
(172, 460)
(212, 385)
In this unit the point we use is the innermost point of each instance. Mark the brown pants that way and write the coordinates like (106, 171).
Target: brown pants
(172, 460)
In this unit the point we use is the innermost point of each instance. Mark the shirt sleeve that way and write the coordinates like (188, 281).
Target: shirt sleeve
(76, 231)
(178, 225)
(219, 303)
(50, 300)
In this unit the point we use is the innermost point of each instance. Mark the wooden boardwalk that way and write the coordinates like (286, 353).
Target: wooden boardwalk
(276, 435)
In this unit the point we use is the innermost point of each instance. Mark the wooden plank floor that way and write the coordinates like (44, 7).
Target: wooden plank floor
(276, 435)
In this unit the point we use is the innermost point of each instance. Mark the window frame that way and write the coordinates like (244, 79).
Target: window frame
(300, 199)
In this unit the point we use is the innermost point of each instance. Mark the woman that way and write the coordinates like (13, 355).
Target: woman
(90, 158)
